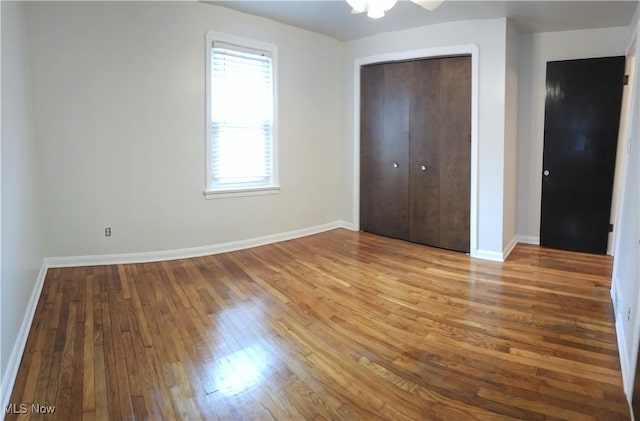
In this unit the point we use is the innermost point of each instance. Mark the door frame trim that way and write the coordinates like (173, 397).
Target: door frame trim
(624, 134)
(449, 51)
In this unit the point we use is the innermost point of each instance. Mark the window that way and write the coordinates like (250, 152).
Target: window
(241, 131)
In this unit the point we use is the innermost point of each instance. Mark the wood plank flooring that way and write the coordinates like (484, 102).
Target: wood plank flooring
(339, 325)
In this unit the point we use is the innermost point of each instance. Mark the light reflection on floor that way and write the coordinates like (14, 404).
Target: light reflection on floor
(241, 370)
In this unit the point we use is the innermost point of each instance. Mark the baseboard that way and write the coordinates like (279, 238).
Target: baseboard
(156, 256)
(15, 358)
(347, 225)
(626, 367)
(528, 239)
(509, 248)
(613, 291)
(497, 256)
(625, 364)
(489, 255)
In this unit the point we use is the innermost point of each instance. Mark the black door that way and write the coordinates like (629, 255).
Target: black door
(582, 115)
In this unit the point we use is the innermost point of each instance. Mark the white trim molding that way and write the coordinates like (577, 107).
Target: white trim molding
(456, 50)
(489, 255)
(625, 364)
(528, 239)
(251, 191)
(185, 253)
(506, 251)
(15, 358)
(497, 256)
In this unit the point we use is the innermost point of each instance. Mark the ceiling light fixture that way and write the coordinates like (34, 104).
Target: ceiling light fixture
(375, 8)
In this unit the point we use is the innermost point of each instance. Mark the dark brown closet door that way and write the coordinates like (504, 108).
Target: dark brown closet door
(424, 181)
(384, 149)
(440, 149)
(455, 153)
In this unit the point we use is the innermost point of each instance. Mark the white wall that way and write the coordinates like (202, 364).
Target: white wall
(626, 267)
(535, 51)
(119, 110)
(489, 36)
(22, 255)
(510, 139)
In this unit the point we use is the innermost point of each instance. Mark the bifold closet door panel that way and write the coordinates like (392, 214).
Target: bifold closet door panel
(415, 151)
(455, 153)
(424, 178)
(384, 149)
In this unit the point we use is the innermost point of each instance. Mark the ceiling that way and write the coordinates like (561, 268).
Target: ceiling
(333, 17)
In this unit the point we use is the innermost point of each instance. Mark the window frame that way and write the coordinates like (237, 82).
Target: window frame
(213, 192)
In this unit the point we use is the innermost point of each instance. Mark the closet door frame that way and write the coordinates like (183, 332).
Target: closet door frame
(458, 50)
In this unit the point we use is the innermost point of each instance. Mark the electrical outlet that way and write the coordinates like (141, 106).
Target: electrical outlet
(107, 232)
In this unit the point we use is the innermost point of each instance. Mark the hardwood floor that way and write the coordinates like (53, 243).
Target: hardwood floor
(339, 325)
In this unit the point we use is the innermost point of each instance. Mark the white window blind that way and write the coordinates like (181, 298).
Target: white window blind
(241, 117)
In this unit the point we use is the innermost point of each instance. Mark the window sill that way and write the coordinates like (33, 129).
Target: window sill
(242, 192)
